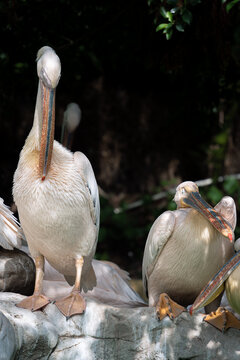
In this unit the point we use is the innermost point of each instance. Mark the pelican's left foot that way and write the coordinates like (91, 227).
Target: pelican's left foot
(34, 302)
(72, 304)
(167, 306)
(222, 319)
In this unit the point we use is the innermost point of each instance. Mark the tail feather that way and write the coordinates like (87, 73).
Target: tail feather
(111, 287)
(11, 234)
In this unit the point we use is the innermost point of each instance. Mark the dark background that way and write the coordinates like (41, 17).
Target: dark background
(155, 112)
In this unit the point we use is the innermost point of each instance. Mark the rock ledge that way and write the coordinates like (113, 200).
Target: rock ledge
(107, 333)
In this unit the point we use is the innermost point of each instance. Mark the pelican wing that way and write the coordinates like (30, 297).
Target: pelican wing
(10, 232)
(158, 236)
(85, 168)
(227, 208)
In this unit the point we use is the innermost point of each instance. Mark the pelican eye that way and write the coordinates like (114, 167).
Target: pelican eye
(183, 191)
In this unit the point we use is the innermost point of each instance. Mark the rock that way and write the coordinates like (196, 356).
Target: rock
(17, 272)
(7, 339)
(105, 332)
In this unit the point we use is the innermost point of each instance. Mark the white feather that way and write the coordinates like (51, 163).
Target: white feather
(10, 232)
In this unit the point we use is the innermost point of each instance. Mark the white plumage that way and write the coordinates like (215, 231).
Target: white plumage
(56, 192)
(10, 232)
(184, 249)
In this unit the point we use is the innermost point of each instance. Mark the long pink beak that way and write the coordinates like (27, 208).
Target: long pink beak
(48, 125)
(197, 202)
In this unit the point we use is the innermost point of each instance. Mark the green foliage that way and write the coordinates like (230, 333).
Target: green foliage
(230, 4)
(177, 15)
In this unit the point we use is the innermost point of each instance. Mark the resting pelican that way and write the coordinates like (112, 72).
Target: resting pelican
(10, 232)
(227, 278)
(185, 248)
(71, 120)
(57, 199)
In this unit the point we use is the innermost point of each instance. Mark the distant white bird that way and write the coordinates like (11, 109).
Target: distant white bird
(57, 199)
(11, 235)
(71, 120)
(185, 248)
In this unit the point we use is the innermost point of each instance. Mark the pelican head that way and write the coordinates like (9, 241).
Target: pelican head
(72, 116)
(71, 120)
(187, 196)
(48, 67)
(49, 72)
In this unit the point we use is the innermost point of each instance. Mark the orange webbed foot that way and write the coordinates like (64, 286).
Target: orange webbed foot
(166, 306)
(72, 304)
(34, 302)
(222, 319)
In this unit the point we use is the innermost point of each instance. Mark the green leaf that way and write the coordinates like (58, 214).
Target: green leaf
(169, 16)
(163, 12)
(179, 27)
(231, 4)
(187, 16)
(161, 26)
(169, 34)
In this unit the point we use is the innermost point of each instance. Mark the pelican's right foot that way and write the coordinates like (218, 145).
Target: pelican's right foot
(34, 302)
(222, 319)
(72, 304)
(167, 306)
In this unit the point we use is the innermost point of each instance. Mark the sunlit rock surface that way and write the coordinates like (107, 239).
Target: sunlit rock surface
(108, 333)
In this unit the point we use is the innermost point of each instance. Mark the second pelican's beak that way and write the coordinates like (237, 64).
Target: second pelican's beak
(195, 200)
(216, 285)
(48, 125)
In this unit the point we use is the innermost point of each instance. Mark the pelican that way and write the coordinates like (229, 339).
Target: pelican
(56, 194)
(185, 248)
(227, 278)
(11, 235)
(71, 120)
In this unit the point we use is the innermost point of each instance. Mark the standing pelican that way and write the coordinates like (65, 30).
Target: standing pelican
(71, 120)
(57, 198)
(227, 278)
(185, 248)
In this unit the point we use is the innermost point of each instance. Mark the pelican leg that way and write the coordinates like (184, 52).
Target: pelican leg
(167, 306)
(74, 303)
(222, 319)
(37, 301)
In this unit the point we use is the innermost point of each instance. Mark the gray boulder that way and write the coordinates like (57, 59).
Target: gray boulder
(105, 332)
(17, 272)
